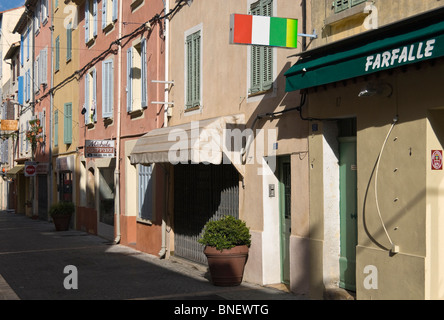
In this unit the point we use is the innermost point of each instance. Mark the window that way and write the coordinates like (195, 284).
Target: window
(67, 123)
(57, 54)
(90, 20)
(145, 211)
(109, 12)
(56, 128)
(107, 89)
(36, 74)
(90, 97)
(136, 70)
(193, 70)
(341, 5)
(69, 42)
(261, 72)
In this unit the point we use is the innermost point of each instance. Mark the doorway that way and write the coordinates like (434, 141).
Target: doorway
(285, 216)
(347, 203)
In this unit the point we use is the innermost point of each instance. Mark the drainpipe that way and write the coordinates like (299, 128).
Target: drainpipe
(164, 248)
(119, 105)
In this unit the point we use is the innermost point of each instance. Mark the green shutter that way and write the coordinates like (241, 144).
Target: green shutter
(193, 48)
(56, 128)
(261, 73)
(69, 42)
(67, 124)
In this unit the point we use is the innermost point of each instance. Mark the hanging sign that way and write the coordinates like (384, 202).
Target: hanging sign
(436, 159)
(99, 149)
(9, 125)
(265, 31)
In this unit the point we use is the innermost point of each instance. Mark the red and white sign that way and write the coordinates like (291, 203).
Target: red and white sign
(30, 168)
(436, 159)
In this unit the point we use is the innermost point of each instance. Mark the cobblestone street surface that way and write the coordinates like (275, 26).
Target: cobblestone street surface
(33, 257)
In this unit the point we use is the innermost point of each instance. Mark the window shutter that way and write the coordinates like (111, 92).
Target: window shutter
(189, 71)
(107, 89)
(57, 53)
(44, 66)
(196, 93)
(21, 95)
(104, 13)
(87, 106)
(69, 42)
(87, 21)
(95, 18)
(145, 192)
(22, 49)
(67, 125)
(144, 74)
(36, 74)
(94, 101)
(56, 128)
(115, 8)
(129, 87)
(193, 70)
(341, 5)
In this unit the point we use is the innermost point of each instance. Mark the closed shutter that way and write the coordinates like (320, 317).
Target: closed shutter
(87, 104)
(129, 86)
(22, 49)
(94, 101)
(57, 53)
(67, 124)
(107, 89)
(144, 74)
(95, 18)
(36, 74)
(44, 66)
(193, 48)
(115, 3)
(145, 192)
(69, 42)
(21, 97)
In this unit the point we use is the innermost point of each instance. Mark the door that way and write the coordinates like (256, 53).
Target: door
(285, 216)
(348, 212)
(43, 197)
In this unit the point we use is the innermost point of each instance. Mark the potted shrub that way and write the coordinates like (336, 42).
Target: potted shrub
(227, 242)
(61, 213)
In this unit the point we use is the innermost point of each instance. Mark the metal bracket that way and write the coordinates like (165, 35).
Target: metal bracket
(313, 36)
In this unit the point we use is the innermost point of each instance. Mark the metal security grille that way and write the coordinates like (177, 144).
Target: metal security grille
(201, 193)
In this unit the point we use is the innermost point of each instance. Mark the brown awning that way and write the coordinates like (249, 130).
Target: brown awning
(17, 169)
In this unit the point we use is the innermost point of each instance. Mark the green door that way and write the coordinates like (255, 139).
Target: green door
(348, 212)
(285, 216)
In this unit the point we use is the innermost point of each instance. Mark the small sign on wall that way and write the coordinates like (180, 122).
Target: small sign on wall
(436, 159)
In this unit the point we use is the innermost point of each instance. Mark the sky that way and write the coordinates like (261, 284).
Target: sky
(9, 4)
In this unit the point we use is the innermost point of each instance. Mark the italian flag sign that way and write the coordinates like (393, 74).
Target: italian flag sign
(265, 31)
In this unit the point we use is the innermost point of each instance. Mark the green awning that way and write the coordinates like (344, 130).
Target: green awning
(360, 57)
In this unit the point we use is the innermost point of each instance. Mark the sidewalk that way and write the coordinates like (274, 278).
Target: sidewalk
(33, 257)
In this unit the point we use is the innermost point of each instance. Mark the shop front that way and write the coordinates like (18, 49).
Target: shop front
(376, 112)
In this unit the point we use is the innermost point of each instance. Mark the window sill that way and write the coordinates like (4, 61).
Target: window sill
(260, 93)
(135, 113)
(135, 4)
(192, 109)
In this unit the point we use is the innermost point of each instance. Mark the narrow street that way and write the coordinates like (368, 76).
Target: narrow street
(33, 257)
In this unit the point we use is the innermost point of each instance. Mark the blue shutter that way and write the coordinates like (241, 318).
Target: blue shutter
(115, 3)
(67, 123)
(129, 87)
(86, 21)
(69, 42)
(104, 13)
(144, 74)
(21, 95)
(22, 49)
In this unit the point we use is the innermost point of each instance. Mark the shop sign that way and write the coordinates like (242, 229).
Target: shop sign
(436, 159)
(99, 148)
(65, 164)
(9, 125)
(30, 168)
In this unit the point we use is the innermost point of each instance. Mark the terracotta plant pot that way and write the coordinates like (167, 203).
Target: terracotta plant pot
(61, 221)
(226, 266)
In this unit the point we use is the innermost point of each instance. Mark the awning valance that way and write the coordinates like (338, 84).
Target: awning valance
(17, 169)
(363, 55)
(206, 141)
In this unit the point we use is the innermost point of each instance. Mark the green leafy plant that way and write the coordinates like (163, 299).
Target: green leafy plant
(226, 233)
(61, 208)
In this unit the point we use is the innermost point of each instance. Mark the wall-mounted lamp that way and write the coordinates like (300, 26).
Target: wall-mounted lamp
(83, 110)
